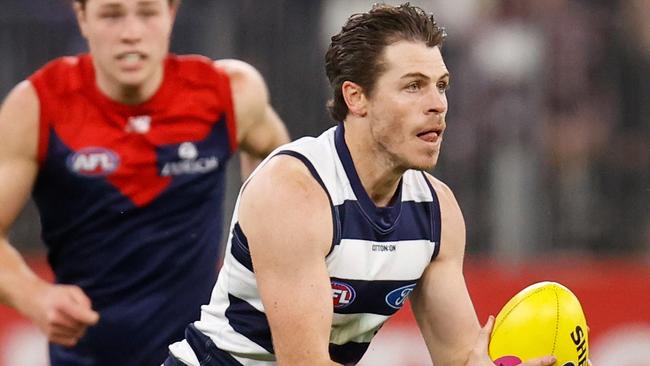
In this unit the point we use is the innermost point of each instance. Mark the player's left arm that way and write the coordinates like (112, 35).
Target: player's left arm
(441, 303)
(259, 128)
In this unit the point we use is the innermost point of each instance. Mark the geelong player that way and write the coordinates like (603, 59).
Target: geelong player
(331, 234)
(124, 150)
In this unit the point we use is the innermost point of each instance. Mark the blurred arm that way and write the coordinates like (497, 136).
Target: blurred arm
(18, 168)
(287, 219)
(62, 312)
(259, 128)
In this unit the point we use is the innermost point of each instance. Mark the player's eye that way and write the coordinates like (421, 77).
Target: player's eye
(147, 13)
(110, 15)
(413, 86)
(443, 86)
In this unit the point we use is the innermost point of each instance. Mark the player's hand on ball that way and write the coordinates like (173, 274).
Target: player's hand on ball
(479, 355)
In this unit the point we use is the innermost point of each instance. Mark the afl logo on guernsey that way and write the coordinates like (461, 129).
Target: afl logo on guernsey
(342, 294)
(395, 299)
(93, 162)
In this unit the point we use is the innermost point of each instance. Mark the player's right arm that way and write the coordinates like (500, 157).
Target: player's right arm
(287, 219)
(259, 128)
(62, 312)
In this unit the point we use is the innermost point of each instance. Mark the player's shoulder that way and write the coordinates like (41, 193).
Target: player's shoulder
(285, 178)
(62, 64)
(190, 61)
(445, 194)
(22, 97)
(236, 67)
(243, 75)
(61, 75)
(19, 121)
(195, 69)
(438, 185)
(284, 168)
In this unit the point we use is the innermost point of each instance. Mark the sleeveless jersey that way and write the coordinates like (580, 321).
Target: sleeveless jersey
(130, 199)
(376, 259)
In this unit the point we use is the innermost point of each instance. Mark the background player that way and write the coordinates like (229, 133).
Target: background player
(125, 150)
(350, 217)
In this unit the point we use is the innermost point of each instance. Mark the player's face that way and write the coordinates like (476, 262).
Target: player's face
(408, 106)
(127, 38)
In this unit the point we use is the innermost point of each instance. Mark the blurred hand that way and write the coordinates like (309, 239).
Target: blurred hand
(479, 355)
(62, 312)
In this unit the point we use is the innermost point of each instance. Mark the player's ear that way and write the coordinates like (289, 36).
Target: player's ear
(80, 14)
(355, 98)
(173, 9)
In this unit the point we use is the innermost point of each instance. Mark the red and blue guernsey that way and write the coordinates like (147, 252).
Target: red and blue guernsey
(130, 198)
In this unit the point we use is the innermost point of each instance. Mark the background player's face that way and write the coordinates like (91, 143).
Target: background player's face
(127, 38)
(408, 106)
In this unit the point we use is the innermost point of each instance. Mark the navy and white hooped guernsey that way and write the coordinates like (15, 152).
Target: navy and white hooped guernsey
(377, 256)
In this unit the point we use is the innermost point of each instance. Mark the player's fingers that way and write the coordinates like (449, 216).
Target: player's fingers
(67, 324)
(481, 347)
(489, 324)
(542, 361)
(485, 332)
(63, 339)
(80, 312)
(62, 332)
(79, 295)
(67, 336)
(59, 318)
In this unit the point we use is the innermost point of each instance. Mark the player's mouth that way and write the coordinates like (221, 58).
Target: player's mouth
(131, 61)
(432, 135)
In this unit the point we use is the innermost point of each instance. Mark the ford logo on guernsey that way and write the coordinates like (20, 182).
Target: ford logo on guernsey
(342, 294)
(93, 162)
(395, 299)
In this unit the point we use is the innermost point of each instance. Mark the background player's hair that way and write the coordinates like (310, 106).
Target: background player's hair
(83, 2)
(355, 52)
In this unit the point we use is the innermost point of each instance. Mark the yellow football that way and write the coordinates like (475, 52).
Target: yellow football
(543, 319)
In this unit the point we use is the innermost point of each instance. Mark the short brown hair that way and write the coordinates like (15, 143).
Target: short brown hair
(83, 2)
(355, 52)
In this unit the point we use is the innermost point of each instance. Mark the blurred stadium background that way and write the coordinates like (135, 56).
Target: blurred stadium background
(547, 146)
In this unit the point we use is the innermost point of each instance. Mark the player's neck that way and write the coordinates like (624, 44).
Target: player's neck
(129, 94)
(379, 175)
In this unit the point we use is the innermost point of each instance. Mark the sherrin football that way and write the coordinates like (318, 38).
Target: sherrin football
(543, 319)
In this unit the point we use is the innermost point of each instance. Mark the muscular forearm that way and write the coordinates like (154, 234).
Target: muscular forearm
(17, 280)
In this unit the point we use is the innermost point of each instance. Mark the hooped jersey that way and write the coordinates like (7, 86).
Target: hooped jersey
(377, 256)
(130, 198)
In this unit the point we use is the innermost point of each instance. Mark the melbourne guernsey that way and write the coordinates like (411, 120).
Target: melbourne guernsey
(130, 198)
